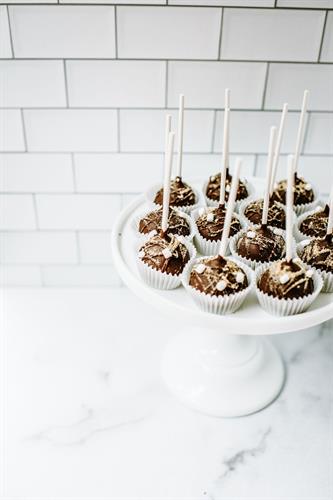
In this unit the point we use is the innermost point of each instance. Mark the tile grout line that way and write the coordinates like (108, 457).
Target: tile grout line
(171, 108)
(24, 130)
(66, 84)
(265, 87)
(219, 49)
(116, 31)
(10, 32)
(322, 37)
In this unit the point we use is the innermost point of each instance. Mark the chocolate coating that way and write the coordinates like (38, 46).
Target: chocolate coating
(181, 194)
(176, 223)
(261, 244)
(315, 225)
(212, 229)
(303, 192)
(166, 254)
(276, 214)
(319, 254)
(214, 185)
(218, 276)
(286, 280)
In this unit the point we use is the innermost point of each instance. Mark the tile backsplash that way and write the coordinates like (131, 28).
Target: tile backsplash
(84, 89)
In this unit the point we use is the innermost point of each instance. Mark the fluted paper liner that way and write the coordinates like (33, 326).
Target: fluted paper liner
(225, 304)
(204, 246)
(326, 276)
(159, 279)
(286, 307)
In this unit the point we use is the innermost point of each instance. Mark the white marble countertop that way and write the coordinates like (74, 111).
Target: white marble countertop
(87, 416)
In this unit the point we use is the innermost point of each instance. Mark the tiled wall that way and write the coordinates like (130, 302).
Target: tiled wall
(84, 92)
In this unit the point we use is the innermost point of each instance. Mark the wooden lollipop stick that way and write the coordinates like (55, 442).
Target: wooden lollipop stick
(166, 184)
(278, 144)
(300, 132)
(330, 216)
(225, 146)
(289, 208)
(180, 136)
(230, 208)
(271, 148)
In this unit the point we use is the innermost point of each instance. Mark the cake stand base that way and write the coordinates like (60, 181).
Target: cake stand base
(222, 375)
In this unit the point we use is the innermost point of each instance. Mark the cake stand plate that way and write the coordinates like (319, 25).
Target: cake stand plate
(218, 365)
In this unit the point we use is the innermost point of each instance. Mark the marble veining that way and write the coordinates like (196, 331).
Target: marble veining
(87, 416)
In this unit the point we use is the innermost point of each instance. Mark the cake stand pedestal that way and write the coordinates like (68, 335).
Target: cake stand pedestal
(219, 365)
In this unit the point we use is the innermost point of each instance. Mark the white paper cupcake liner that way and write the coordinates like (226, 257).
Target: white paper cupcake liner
(151, 193)
(286, 307)
(204, 246)
(297, 232)
(213, 203)
(143, 213)
(159, 279)
(253, 264)
(227, 304)
(326, 276)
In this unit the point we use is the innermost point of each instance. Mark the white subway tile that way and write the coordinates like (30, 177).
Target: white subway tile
(286, 83)
(229, 3)
(319, 138)
(38, 247)
(249, 131)
(95, 247)
(13, 2)
(143, 130)
(118, 2)
(126, 199)
(32, 83)
(5, 45)
(80, 276)
(71, 130)
(17, 212)
(203, 83)
(63, 31)
(318, 4)
(173, 32)
(77, 211)
(271, 34)
(116, 173)
(202, 166)
(327, 48)
(11, 136)
(20, 276)
(23, 172)
(317, 169)
(116, 83)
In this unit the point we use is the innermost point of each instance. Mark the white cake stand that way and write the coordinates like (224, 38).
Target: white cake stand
(218, 365)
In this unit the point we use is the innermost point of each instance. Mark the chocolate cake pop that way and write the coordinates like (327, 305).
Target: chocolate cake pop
(303, 192)
(153, 222)
(218, 276)
(261, 244)
(315, 225)
(165, 253)
(181, 194)
(214, 186)
(210, 224)
(318, 253)
(276, 214)
(287, 280)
